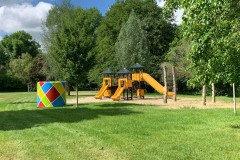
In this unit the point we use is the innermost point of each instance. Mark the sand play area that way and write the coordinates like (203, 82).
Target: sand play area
(181, 102)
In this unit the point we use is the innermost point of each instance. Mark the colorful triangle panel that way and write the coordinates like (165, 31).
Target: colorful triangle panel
(51, 94)
(59, 102)
(46, 87)
(61, 89)
(41, 105)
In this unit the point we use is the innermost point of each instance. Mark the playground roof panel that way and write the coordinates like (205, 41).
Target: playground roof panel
(136, 66)
(108, 71)
(124, 71)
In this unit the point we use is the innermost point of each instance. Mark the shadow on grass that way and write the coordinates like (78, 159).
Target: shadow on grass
(116, 105)
(29, 102)
(24, 119)
(235, 126)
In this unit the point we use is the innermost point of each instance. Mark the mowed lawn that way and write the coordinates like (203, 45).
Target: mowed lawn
(114, 131)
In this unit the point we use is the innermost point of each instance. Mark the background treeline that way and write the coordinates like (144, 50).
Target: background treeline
(79, 44)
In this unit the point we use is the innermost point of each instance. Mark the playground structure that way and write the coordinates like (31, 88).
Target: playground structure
(108, 86)
(128, 83)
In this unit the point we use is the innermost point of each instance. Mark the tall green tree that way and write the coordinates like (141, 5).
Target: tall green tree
(160, 32)
(52, 69)
(214, 28)
(15, 51)
(131, 46)
(37, 73)
(3, 60)
(178, 57)
(15, 44)
(21, 68)
(71, 40)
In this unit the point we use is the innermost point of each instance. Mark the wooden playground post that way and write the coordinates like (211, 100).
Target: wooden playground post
(204, 95)
(174, 84)
(165, 84)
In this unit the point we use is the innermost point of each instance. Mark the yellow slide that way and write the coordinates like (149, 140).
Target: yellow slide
(101, 92)
(117, 94)
(152, 82)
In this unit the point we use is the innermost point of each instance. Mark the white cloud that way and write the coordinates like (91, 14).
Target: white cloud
(178, 14)
(23, 17)
(1, 37)
(160, 3)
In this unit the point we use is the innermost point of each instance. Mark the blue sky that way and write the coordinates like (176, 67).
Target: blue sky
(28, 15)
(101, 5)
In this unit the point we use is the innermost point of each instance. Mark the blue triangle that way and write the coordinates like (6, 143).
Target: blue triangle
(64, 84)
(59, 102)
(46, 87)
(38, 100)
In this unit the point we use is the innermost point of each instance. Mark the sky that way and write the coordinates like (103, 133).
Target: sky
(28, 15)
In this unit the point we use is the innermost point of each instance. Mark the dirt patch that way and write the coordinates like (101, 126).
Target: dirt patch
(88, 100)
(180, 103)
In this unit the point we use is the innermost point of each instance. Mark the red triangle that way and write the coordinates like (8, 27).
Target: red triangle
(52, 94)
(41, 105)
(42, 83)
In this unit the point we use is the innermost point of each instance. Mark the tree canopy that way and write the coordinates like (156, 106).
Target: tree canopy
(160, 32)
(70, 40)
(17, 52)
(21, 67)
(14, 45)
(177, 56)
(214, 29)
(131, 46)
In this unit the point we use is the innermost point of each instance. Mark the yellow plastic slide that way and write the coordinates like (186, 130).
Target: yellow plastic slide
(152, 82)
(117, 94)
(101, 92)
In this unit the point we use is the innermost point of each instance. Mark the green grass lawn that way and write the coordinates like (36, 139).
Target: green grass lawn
(114, 131)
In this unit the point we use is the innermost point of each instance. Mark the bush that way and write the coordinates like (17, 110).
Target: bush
(9, 83)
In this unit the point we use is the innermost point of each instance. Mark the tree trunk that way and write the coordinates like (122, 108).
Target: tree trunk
(76, 95)
(174, 84)
(68, 93)
(165, 84)
(234, 100)
(68, 89)
(28, 85)
(213, 93)
(204, 95)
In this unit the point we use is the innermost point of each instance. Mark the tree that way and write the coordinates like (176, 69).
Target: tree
(160, 32)
(71, 40)
(17, 43)
(3, 60)
(178, 56)
(52, 69)
(213, 27)
(21, 68)
(12, 48)
(131, 46)
(37, 73)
